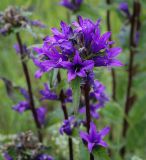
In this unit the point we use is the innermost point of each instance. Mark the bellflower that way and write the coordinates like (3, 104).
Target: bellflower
(93, 111)
(17, 49)
(7, 157)
(77, 68)
(68, 95)
(74, 6)
(77, 49)
(44, 157)
(99, 94)
(37, 23)
(52, 59)
(94, 138)
(48, 94)
(41, 112)
(21, 106)
(123, 6)
(109, 59)
(67, 126)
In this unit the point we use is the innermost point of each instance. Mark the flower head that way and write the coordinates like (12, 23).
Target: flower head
(67, 126)
(93, 111)
(77, 49)
(94, 138)
(48, 94)
(17, 49)
(99, 94)
(77, 67)
(73, 5)
(21, 106)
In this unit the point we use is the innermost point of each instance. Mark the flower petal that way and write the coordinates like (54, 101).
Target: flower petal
(104, 131)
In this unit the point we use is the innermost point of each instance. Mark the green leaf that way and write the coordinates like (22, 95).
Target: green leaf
(100, 154)
(75, 85)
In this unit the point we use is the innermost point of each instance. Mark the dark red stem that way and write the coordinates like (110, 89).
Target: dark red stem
(135, 27)
(28, 81)
(64, 109)
(87, 104)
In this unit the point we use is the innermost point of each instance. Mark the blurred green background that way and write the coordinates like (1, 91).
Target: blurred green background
(50, 13)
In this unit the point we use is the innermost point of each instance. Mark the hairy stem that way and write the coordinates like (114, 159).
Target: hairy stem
(135, 27)
(29, 87)
(64, 109)
(88, 116)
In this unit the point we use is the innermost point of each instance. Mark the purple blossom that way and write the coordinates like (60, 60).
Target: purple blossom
(109, 59)
(41, 112)
(7, 157)
(123, 6)
(99, 94)
(21, 106)
(74, 6)
(51, 60)
(24, 93)
(68, 95)
(37, 23)
(44, 157)
(77, 49)
(48, 94)
(94, 138)
(17, 49)
(3, 31)
(93, 111)
(67, 126)
(77, 67)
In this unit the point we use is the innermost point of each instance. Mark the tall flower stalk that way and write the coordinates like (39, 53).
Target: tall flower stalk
(134, 31)
(28, 82)
(65, 112)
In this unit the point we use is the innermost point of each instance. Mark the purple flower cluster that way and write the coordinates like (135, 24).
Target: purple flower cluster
(73, 5)
(25, 105)
(17, 49)
(77, 49)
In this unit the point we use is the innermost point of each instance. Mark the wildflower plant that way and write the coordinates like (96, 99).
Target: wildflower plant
(79, 49)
